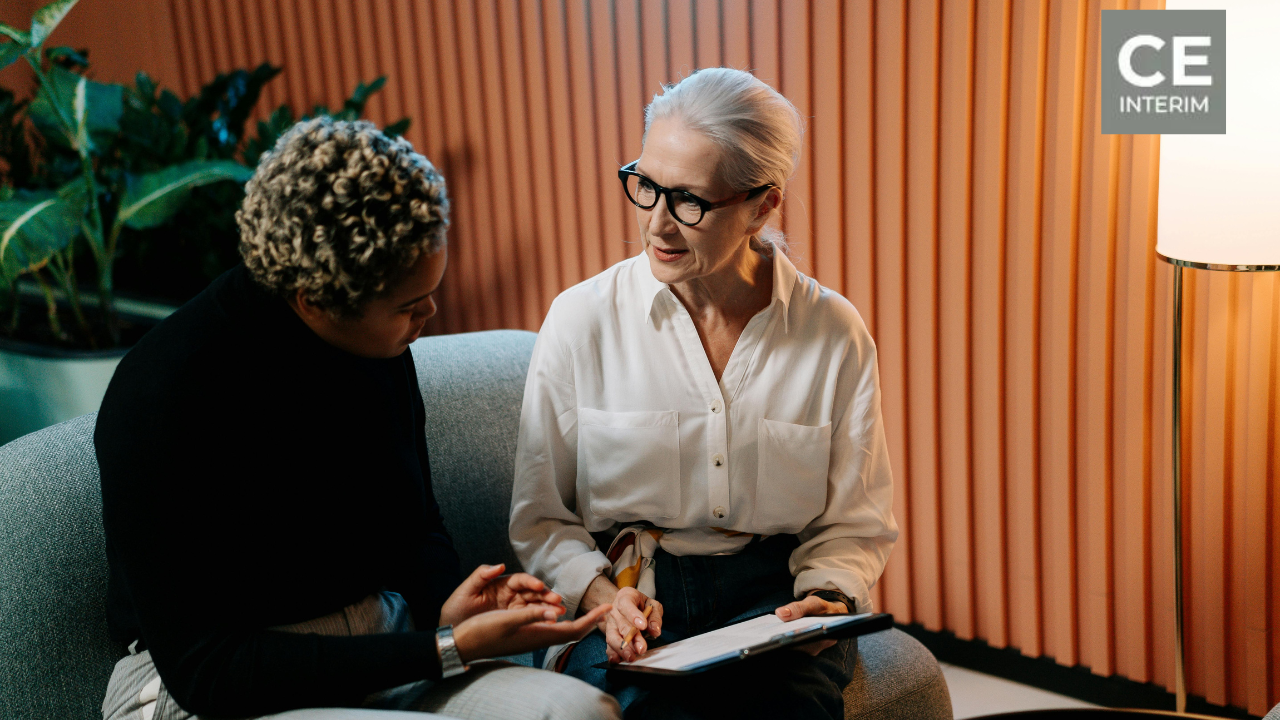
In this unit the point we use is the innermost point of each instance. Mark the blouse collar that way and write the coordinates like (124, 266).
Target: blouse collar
(784, 281)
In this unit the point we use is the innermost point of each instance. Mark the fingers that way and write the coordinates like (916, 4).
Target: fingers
(525, 583)
(616, 632)
(587, 623)
(655, 618)
(533, 614)
(630, 604)
(530, 597)
(811, 605)
(482, 576)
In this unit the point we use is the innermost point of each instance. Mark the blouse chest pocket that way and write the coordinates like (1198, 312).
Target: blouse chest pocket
(791, 482)
(630, 463)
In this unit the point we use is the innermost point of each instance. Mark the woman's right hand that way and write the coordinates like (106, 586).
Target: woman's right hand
(511, 632)
(627, 614)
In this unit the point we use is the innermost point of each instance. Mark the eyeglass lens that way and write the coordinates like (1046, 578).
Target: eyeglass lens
(683, 205)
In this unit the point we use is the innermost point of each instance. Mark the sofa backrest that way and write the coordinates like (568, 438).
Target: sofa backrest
(55, 654)
(472, 386)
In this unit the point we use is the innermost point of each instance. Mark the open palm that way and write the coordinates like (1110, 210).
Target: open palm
(488, 589)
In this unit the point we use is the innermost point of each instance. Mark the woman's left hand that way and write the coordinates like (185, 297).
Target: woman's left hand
(486, 589)
(812, 605)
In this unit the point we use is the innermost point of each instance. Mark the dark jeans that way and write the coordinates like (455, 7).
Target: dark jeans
(702, 593)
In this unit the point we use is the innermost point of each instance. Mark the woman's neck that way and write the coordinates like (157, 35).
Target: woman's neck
(742, 288)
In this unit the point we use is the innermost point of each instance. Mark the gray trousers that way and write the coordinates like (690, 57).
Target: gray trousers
(490, 690)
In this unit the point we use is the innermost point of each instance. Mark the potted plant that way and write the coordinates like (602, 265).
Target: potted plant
(102, 180)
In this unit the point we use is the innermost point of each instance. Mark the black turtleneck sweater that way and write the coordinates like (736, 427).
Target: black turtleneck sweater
(255, 476)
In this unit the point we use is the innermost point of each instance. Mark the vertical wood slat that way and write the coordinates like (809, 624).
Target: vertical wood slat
(990, 171)
(890, 215)
(955, 199)
(858, 162)
(543, 158)
(503, 221)
(955, 185)
(386, 39)
(631, 101)
(1058, 226)
(826, 131)
(587, 188)
(1022, 330)
(921, 265)
(188, 65)
(614, 207)
(516, 169)
(1259, 522)
(1117, 611)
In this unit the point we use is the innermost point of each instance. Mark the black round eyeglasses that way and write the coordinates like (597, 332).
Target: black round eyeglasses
(687, 208)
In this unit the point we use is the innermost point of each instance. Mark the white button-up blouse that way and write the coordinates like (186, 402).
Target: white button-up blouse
(623, 421)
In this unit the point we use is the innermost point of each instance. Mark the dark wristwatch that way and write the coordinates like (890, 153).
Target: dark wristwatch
(450, 660)
(836, 596)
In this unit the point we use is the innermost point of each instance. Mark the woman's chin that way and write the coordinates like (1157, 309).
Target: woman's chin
(668, 271)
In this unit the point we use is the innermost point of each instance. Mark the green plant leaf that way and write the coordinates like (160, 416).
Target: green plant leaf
(397, 128)
(18, 36)
(47, 18)
(54, 106)
(145, 85)
(10, 52)
(151, 199)
(67, 54)
(83, 143)
(33, 228)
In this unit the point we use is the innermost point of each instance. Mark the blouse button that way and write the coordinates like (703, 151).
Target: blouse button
(716, 406)
(717, 459)
(718, 512)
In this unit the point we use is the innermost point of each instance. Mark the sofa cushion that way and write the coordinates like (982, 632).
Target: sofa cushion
(896, 678)
(55, 654)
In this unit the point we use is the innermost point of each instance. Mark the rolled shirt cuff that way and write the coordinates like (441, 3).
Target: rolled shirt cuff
(573, 579)
(824, 579)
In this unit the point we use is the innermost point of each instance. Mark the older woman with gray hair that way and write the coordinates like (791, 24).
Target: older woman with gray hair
(274, 546)
(701, 438)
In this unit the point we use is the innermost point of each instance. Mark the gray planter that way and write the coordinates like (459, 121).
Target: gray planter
(42, 386)
(39, 388)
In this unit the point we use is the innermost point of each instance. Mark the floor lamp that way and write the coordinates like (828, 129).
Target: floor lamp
(1219, 207)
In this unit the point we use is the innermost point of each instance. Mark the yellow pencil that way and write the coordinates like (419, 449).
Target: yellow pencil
(632, 632)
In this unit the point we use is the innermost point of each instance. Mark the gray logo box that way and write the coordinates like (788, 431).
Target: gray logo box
(1164, 72)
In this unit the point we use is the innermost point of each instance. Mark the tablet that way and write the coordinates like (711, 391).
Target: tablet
(748, 639)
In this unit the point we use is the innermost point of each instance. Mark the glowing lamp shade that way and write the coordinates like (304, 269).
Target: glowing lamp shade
(1220, 194)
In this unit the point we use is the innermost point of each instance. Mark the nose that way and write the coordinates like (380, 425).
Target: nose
(425, 311)
(660, 220)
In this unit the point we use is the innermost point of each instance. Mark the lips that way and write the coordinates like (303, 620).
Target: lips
(668, 255)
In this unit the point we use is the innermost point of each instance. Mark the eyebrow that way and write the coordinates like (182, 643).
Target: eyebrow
(416, 300)
(681, 188)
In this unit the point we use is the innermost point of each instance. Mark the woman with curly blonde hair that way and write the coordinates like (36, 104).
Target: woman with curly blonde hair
(272, 536)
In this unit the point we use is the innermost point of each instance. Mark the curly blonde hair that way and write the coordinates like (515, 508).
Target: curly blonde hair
(340, 211)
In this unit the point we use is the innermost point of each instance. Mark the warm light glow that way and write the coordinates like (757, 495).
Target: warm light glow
(1220, 194)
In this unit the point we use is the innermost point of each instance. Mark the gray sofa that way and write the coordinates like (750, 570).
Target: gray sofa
(55, 656)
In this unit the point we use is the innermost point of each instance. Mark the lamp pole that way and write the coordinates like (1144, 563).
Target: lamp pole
(1179, 671)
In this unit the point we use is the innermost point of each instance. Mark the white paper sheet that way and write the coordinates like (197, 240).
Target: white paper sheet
(691, 652)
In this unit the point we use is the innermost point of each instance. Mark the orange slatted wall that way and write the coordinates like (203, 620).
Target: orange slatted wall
(956, 187)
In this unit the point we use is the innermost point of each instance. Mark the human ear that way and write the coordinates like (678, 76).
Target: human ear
(772, 199)
(304, 307)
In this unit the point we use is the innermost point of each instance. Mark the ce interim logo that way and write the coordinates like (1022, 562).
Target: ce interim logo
(1164, 71)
